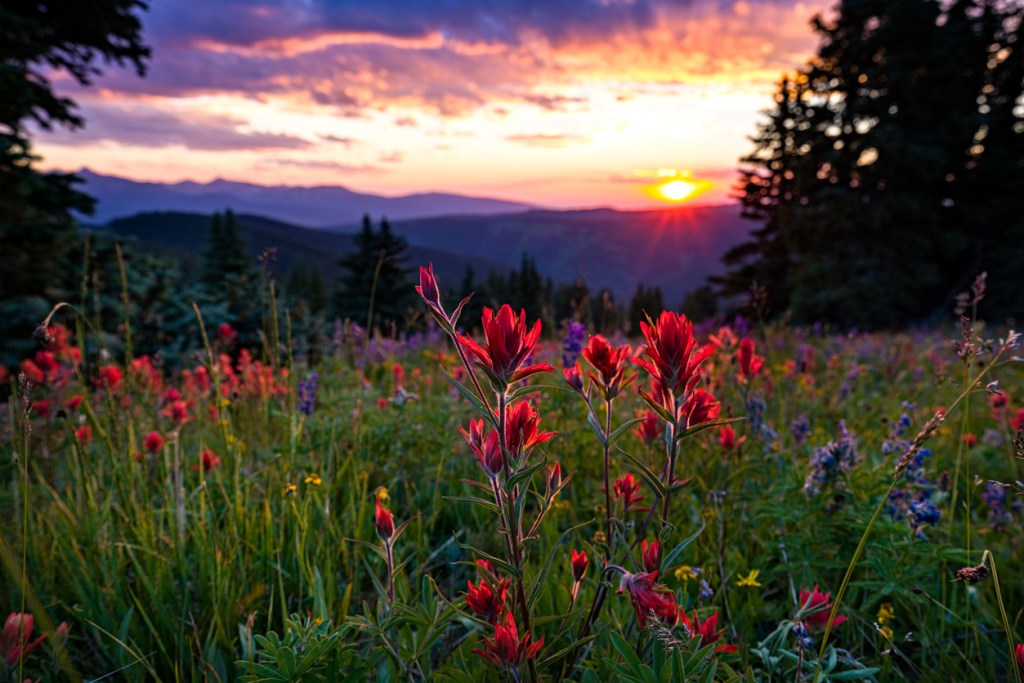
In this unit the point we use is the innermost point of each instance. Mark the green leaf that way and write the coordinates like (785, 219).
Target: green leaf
(472, 398)
(678, 550)
(541, 577)
(621, 429)
(696, 429)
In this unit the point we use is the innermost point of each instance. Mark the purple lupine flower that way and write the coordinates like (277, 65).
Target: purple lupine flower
(572, 345)
(307, 394)
(831, 460)
(800, 428)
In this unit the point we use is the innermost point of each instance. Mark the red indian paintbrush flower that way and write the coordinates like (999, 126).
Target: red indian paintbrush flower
(522, 430)
(648, 596)
(486, 449)
(488, 602)
(610, 363)
(110, 378)
(1018, 654)
(672, 356)
(573, 378)
(84, 435)
(153, 442)
(579, 561)
(13, 639)
(705, 629)
(699, 407)
(505, 649)
(509, 344)
(627, 488)
(822, 604)
(383, 522)
(208, 461)
(727, 438)
(750, 362)
(651, 552)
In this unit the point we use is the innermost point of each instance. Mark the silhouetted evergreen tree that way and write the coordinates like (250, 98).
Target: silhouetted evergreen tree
(888, 173)
(645, 302)
(375, 270)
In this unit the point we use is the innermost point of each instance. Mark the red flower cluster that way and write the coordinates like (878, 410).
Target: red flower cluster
(383, 522)
(651, 552)
(488, 598)
(821, 603)
(610, 363)
(505, 649)
(487, 450)
(648, 596)
(705, 629)
(627, 489)
(522, 430)
(750, 363)
(15, 635)
(727, 438)
(508, 347)
(650, 429)
(672, 356)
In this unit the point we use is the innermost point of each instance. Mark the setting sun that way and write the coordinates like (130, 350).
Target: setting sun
(678, 187)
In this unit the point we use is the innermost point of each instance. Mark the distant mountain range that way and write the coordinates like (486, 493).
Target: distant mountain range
(317, 207)
(675, 249)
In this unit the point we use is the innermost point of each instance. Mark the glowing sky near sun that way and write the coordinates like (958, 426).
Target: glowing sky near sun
(562, 103)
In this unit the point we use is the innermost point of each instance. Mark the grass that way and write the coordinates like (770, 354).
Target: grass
(166, 571)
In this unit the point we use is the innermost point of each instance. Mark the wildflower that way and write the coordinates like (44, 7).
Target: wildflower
(153, 442)
(508, 345)
(383, 522)
(505, 649)
(998, 399)
(970, 439)
(686, 573)
(381, 493)
(727, 438)
(487, 602)
(831, 460)
(804, 640)
(579, 561)
(885, 632)
(885, 613)
(698, 408)
(573, 342)
(487, 451)
(41, 408)
(972, 574)
(109, 378)
(600, 538)
(289, 489)
(750, 580)
(226, 333)
(820, 605)
(313, 480)
(705, 629)
(651, 554)
(307, 394)
(627, 489)
(522, 430)
(554, 477)
(671, 354)
(706, 592)
(573, 378)
(74, 402)
(1018, 421)
(177, 412)
(648, 596)
(427, 288)
(610, 363)
(750, 362)
(1018, 654)
(650, 428)
(84, 435)
(17, 630)
(208, 460)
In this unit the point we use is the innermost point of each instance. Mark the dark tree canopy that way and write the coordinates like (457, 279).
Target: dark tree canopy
(375, 274)
(888, 173)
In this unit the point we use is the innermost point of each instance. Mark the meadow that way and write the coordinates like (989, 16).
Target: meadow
(724, 501)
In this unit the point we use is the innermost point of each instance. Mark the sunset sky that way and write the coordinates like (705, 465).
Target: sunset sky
(561, 103)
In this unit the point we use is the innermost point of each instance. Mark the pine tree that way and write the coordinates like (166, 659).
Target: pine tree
(375, 273)
(884, 177)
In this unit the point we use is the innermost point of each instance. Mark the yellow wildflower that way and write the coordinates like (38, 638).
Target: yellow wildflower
(686, 572)
(885, 613)
(313, 479)
(289, 489)
(381, 494)
(225, 402)
(750, 580)
(599, 537)
(886, 632)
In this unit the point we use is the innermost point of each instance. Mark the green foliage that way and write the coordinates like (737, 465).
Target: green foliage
(884, 176)
(311, 651)
(646, 302)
